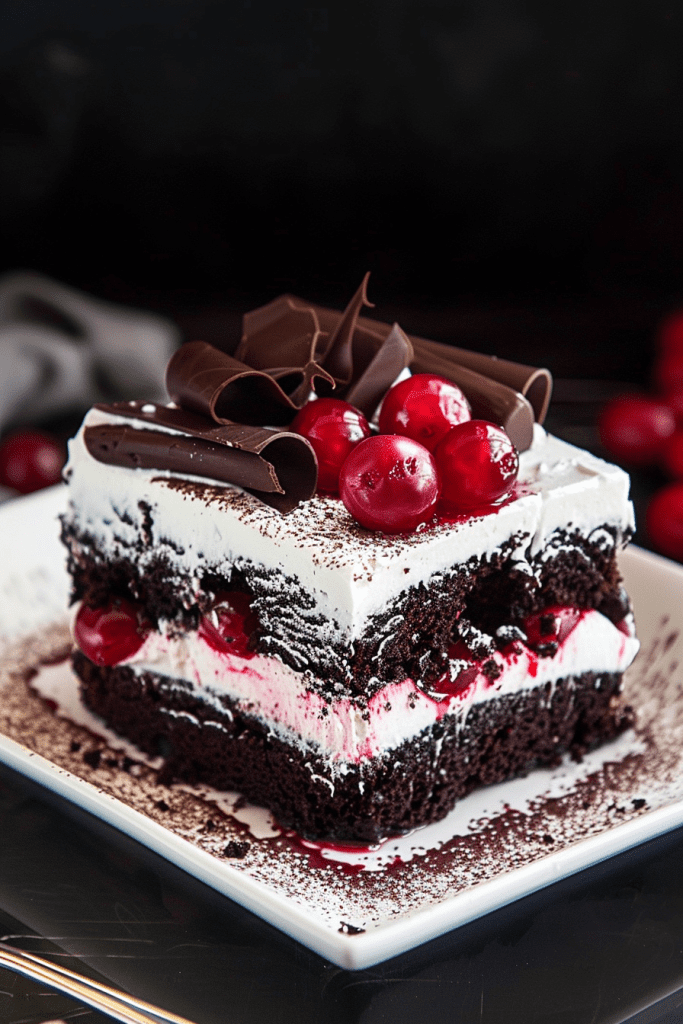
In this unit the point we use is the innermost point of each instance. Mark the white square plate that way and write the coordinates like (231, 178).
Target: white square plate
(353, 907)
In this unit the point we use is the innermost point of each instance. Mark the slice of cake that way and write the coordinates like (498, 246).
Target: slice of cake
(356, 682)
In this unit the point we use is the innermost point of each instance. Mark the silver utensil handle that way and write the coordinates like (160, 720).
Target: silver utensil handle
(122, 1007)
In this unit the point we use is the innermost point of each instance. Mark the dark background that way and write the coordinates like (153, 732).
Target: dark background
(511, 172)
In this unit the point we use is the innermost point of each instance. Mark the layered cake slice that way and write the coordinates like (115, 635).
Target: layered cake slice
(356, 678)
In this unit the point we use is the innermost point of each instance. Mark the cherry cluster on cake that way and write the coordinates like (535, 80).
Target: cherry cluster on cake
(428, 452)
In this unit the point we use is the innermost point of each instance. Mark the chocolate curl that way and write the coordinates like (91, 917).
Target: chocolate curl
(285, 342)
(278, 467)
(393, 355)
(489, 399)
(379, 353)
(206, 380)
(499, 390)
(339, 354)
(536, 384)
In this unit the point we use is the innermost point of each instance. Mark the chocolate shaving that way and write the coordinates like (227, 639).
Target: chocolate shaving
(211, 382)
(499, 390)
(278, 467)
(285, 354)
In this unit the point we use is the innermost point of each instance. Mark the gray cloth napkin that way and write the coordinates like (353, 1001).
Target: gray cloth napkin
(62, 350)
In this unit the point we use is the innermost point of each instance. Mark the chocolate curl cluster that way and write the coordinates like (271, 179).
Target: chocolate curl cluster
(285, 354)
(510, 394)
(289, 350)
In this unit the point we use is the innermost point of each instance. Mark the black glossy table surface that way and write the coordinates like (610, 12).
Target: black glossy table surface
(598, 947)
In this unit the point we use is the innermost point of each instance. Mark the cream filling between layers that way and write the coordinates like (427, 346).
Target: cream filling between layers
(341, 730)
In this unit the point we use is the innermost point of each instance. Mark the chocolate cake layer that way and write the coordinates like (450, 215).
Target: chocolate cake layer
(411, 635)
(412, 785)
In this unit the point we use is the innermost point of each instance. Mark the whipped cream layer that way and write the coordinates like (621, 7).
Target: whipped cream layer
(350, 573)
(348, 731)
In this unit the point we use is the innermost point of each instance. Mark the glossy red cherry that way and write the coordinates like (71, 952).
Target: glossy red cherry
(235, 624)
(389, 483)
(110, 634)
(664, 520)
(674, 399)
(633, 428)
(424, 407)
(547, 630)
(467, 670)
(672, 456)
(670, 333)
(668, 371)
(333, 428)
(29, 460)
(478, 465)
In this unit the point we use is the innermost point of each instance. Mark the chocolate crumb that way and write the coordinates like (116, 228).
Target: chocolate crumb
(350, 929)
(209, 826)
(112, 762)
(637, 804)
(75, 746)
(548, 839)
(236, 849)
(161, 805)
(127, 764)
(92, 758)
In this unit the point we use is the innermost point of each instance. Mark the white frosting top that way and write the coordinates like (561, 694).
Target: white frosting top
(350, 572)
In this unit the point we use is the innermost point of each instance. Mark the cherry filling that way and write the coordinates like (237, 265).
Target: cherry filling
(546, 631)
(112, 633)
(234, 626)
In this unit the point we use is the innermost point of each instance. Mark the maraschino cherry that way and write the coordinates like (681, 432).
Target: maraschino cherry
(424, 407)
(477, 463)
(110, 634)
(30, 460)
(389, 483)
(634, 428)
(664, 520)
(551, 626)
(235, 624)
(333, 428)
(670, 333)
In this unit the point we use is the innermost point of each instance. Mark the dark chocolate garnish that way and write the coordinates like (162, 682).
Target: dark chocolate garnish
(499, 390)
(291, 349)
(285, 354)
(489, 399)
(210, 382)
(279, 467)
